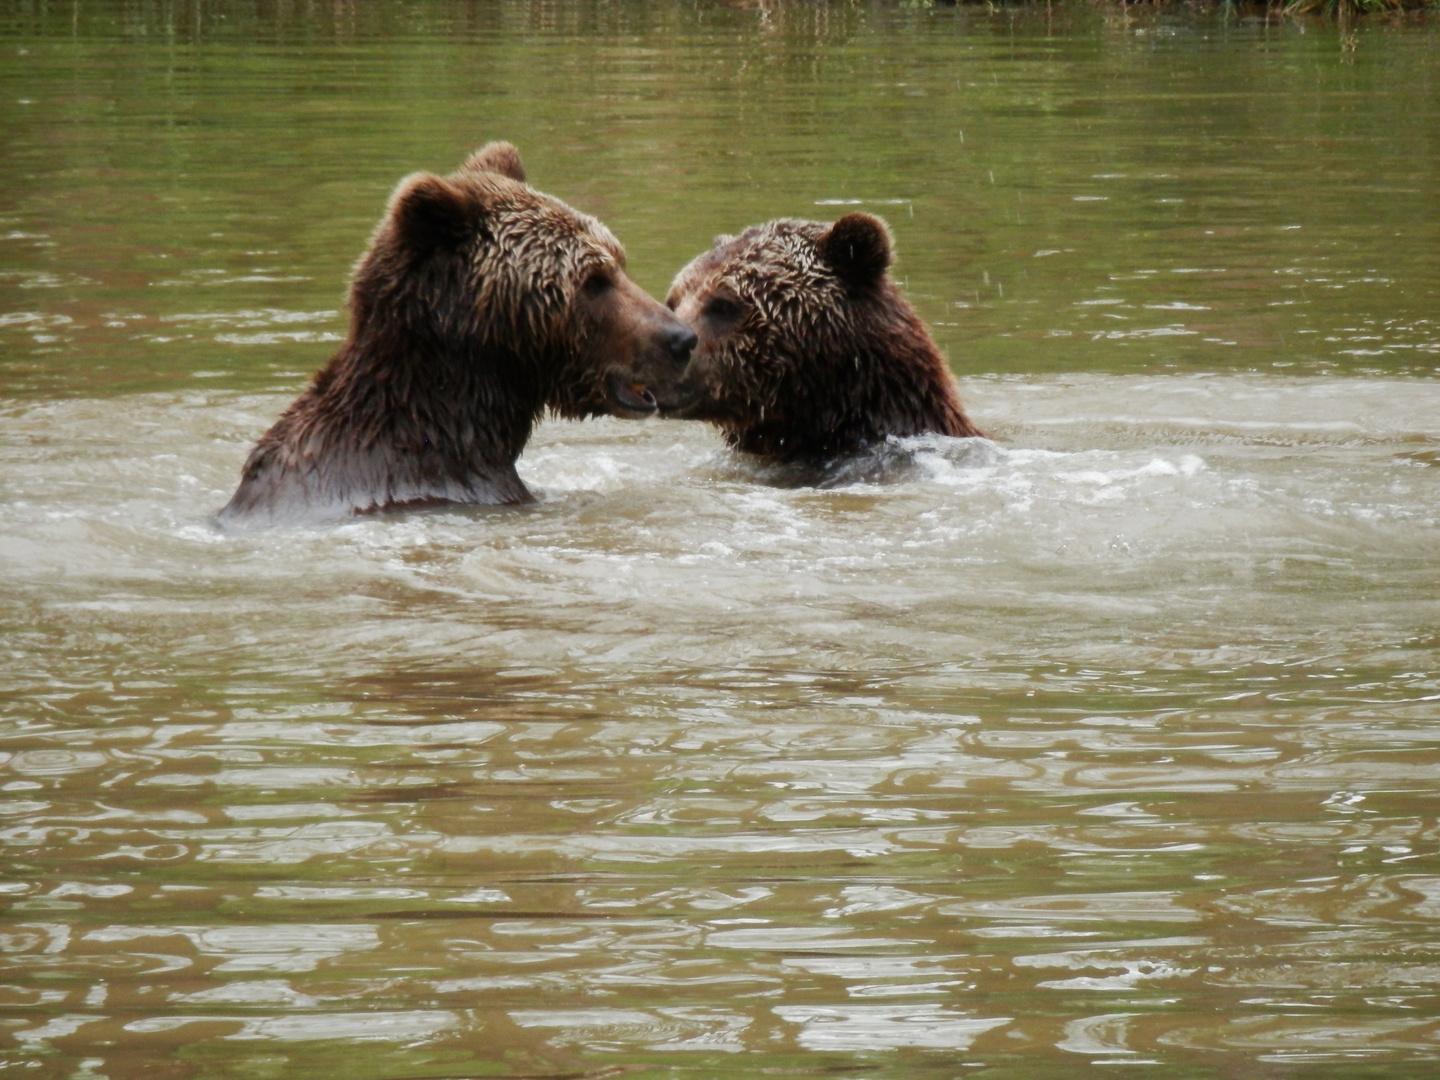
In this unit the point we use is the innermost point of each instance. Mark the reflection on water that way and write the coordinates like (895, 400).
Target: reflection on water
(1111, 740)
(187, 189)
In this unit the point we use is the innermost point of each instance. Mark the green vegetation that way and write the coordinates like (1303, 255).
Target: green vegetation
(1341, 9)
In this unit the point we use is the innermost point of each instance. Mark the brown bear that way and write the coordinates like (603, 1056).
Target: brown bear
(480, 303)
(807, 349)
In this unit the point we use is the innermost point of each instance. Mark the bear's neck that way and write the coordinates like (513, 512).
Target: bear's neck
(889, 384)
(913, 391)
(473, 402)
(396, 421)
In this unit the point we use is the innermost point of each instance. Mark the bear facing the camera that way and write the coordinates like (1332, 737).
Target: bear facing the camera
(807, 350)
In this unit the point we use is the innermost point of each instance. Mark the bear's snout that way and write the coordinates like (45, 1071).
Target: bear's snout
(680, 342)
(648, 371)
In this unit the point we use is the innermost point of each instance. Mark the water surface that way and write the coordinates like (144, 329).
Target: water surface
(1109, 741)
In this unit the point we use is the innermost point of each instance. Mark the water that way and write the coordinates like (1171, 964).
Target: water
(1111, 741)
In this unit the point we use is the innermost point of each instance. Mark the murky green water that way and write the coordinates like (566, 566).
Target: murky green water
(1111, 745)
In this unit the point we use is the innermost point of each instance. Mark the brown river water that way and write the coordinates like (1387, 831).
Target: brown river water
(1107, 746)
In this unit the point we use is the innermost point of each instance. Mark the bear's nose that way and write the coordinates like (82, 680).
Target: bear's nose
(680, 341)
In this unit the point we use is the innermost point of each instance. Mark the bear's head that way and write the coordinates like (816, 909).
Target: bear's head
(479, 263)
(806, 347)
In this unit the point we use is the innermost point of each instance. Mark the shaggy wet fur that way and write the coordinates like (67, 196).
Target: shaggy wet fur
(807, 349)
(479, 303)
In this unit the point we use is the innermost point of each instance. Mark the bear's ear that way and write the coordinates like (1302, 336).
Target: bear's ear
(430, 213)
(498, 157)
(857, 248)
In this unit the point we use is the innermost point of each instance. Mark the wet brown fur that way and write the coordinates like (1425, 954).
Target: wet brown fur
(807, 349)
(479, 303)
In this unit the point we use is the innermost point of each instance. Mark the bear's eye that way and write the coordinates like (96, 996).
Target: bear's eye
(721, 309)
(598, 282)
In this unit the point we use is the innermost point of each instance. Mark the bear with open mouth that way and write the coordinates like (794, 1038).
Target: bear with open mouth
(480, 303)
